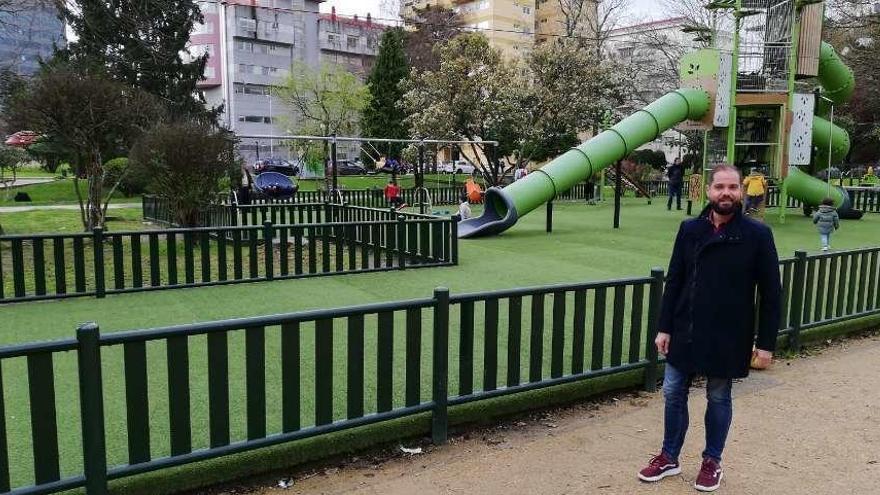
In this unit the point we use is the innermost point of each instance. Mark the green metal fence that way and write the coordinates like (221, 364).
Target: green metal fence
(55, 266)
(206, 390)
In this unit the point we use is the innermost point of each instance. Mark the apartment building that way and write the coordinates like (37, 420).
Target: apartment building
(350, 42)
(509, 24)
(551, 22)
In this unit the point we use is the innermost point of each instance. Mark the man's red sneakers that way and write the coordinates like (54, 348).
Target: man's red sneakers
(659, 468)
(710, 476)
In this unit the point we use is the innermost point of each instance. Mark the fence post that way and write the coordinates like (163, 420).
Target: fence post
(440, 415)
(98, 246)
(91, 397)
(269, 259)
(797, 299)
(401, 242)
(454, 238)
(655, 299)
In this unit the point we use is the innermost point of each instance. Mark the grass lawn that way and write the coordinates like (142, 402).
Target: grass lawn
(58, 192)
(66, 221)
(582, 247)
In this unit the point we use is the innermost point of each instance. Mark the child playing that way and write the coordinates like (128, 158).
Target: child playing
(464, 209)
(827, 221)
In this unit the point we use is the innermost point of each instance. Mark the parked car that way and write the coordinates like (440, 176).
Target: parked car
(279, 165)
(456, 167)
(348, 167)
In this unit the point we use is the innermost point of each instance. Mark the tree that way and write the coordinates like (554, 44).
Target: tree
(469, 97)
(566, 91)
(91, 116)
(382, 117)
(323, 102)
(534, 110)
(577, 19)
(609, 16)
(186, 161)
(143, 44)
(433, 27)
(10, 161)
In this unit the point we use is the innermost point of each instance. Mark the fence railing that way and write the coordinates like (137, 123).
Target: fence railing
(206, 390)
(34, 267)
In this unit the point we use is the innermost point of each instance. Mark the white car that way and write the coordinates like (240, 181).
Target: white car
(456, 167)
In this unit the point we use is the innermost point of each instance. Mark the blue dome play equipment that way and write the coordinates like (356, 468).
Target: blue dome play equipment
(275, 185)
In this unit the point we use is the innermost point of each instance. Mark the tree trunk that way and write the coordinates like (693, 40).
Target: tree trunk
(96, 193)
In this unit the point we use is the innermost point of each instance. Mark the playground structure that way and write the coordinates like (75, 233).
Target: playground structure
(755, 102)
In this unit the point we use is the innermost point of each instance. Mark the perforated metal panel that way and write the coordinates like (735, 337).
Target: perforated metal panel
(722, 97)
(800, 140)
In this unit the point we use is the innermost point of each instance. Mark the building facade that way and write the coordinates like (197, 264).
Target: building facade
(551, 22)
(350, 42)
(29, 31)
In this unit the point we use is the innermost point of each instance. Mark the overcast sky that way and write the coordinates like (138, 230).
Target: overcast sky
(641, 9)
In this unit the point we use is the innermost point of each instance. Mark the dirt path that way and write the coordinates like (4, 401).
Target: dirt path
(808, 426)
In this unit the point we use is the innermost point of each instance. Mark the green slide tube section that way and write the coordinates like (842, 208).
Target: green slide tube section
(838, 84)
(504, 206)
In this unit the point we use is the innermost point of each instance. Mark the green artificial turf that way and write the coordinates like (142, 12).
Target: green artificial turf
(583, 247)
(57, 192)
(67, 221)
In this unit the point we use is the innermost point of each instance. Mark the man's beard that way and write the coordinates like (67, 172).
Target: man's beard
(725, 210)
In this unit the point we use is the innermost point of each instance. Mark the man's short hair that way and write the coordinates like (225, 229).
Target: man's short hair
(723, 167)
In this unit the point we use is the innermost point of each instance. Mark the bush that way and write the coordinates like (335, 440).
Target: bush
(185, 162)
(132, 179)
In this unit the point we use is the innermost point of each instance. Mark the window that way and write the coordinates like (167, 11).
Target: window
(244, 46)
(353, 42)
(248, 25)
(332, 38)
(256, 119)
(203, 28)
(527, 10)
(210, 73)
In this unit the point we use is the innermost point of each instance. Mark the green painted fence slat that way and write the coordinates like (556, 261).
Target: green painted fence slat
(4, 444)
(863, 280)
(821, 293)
(18, 269)
(218, 389)
(514, 340)
(60, 266)
(253, 256)
(171, 256)
(298, 251)
(290, 374)
(873, 277)
(832, 285)
(118, 262)
(205, 255)
(598, 340)
(635, 319)
(466, 349)
(536, 343)
(375, 239)
(786, 295)
(222, 271)
(852, 279)
(237, 264)
(841, 286)
(137, 402)
(617, 325)
(413, 356)
(323, 372)
(338, 248)
(557, 336)
(325, 248)
(385, 362)
(355, 367)
(137, 264)
(179, 395)
(155, 278)
(283, 255)
(808, 291)
(578, 331)
(490, 345)
(255, 363)
(44, 423)
(39, 267)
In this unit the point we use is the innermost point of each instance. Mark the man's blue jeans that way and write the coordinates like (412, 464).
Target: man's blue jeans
(719, 412)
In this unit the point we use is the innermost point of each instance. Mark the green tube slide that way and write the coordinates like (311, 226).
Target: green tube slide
(837, 83)
(503, 207)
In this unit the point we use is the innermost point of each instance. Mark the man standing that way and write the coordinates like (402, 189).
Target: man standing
(675, 173)
(707, 320)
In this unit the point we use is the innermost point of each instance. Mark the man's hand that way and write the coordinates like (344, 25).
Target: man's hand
(761, 359)
(662, 342)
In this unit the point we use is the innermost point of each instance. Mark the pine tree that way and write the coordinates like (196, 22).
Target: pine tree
(383, 117)
(140, 43)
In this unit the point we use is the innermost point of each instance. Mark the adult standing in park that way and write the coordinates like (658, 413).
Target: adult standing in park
(707, 320)
(675, 173)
